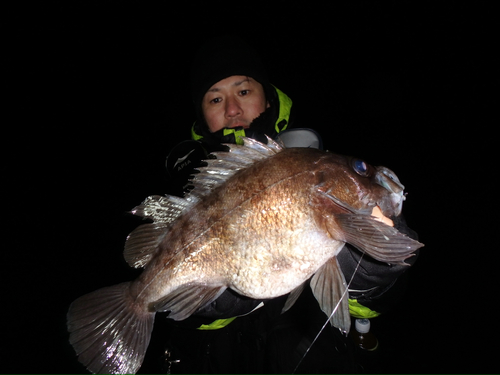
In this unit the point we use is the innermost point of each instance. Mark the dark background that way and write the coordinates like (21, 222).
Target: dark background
(98, 93)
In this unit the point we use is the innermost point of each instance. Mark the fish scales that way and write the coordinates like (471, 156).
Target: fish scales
(274, 218)
(249, 234)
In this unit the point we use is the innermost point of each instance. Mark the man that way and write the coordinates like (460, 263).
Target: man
(232, 98)
(233, 102)
(230, 89)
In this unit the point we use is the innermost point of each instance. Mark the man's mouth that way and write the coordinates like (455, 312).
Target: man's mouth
(238, 124)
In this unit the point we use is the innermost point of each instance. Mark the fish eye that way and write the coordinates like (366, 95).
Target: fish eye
(360, 167)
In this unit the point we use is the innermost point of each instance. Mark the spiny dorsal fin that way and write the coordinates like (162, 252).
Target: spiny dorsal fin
(143, 242)
(227, 164)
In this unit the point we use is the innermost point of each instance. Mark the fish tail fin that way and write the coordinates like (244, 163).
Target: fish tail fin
(109, 333)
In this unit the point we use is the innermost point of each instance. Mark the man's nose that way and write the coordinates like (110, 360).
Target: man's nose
(233, 108)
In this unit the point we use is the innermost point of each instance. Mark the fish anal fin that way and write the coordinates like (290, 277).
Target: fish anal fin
(330, 290)
(187, 299)
(108, 332)
(292, 297)
(380, 241)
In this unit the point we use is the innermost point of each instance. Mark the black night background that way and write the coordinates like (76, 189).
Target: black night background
(98, 93)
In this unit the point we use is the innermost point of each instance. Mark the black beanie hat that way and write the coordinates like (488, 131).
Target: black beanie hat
(220, 58)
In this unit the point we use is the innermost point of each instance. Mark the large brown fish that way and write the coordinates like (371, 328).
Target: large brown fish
(261, 220)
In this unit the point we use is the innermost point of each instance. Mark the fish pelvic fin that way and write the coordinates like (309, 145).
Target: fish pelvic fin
(187, 299)
(380, 241)
(108, 332)
(330, 290)
(292, 297)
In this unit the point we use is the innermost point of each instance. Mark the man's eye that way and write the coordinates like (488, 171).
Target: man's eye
(215, 100)
(244, 92)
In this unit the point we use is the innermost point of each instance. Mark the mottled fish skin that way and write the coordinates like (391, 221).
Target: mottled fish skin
(261, 220)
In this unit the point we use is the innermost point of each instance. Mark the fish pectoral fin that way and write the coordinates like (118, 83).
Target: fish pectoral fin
(142, 244)
(330, 289)
(380, 241)
(292, 297)
(187, 299)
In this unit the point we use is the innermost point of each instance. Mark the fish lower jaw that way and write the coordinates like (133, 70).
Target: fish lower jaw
(397, 201)
(392, 204)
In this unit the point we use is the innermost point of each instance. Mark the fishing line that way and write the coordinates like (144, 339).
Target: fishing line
(331, 315)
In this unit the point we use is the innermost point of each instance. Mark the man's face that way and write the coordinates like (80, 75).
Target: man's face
(232, 102)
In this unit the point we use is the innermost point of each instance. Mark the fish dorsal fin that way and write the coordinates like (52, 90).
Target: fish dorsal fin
(162, 209)
(219, 170)
(143, 242)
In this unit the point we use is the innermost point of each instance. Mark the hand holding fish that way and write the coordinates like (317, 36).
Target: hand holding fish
(261, 220)
(378, 215)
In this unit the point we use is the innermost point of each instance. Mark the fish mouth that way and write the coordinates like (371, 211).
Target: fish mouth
(388, 180)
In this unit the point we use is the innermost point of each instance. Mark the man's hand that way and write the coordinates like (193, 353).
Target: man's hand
(377, 213)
